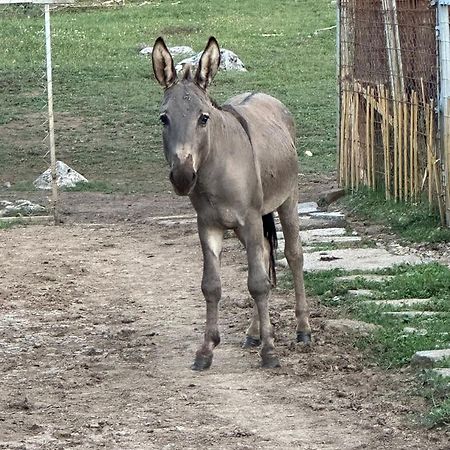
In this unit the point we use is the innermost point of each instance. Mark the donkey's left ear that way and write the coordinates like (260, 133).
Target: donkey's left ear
(209, 64)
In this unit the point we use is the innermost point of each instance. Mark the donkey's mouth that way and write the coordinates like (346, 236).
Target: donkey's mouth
(183, 181)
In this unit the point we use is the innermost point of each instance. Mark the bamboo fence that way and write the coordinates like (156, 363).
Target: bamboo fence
(389, 124)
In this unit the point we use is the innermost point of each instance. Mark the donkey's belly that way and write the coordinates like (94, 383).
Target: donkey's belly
(272, 132)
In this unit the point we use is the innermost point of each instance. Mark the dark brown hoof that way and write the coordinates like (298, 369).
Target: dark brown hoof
(304, 337)
(270, 362)
(202, 362)
(251, 342)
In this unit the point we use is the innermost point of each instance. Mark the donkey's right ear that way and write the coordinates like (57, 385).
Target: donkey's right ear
(163, 66)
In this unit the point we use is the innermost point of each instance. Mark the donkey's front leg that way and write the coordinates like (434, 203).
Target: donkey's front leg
(259, 287)
(211, 241)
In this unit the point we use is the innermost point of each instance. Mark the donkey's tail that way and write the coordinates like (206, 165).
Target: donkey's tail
(270, 233)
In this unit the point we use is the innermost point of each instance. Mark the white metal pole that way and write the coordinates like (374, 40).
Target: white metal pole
(444, 63)
(51, 125)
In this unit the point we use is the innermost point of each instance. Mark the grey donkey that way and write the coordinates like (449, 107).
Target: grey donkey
(238, 164)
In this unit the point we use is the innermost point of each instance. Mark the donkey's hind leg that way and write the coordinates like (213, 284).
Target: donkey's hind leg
(294, 254)
(259, 285)
(252, 335)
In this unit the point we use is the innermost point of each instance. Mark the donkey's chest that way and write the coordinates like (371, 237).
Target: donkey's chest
(213, 210)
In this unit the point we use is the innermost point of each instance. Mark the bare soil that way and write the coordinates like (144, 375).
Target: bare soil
(100, 319)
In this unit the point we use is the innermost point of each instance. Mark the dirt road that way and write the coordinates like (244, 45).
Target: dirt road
(98, 328)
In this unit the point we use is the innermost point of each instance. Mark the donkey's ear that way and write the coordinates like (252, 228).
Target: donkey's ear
(163, 66)
(209, 64)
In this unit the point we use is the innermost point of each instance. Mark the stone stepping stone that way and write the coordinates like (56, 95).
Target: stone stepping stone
(442, 372)
(307, 208)
(410, 314)
(400, 302)
(356, 259)
(361, 293)
(427, 358)
(418, 331)
(334, 234)
(351, 326)
(365, 277)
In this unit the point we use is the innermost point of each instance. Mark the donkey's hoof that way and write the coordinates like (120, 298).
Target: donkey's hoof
(251, 342)
(304, 337)
(202, 362)
(270, 362)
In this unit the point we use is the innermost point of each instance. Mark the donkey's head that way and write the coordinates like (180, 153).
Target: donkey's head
(185, 112)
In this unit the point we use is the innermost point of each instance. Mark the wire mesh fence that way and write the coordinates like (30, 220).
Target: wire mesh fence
(392, 123)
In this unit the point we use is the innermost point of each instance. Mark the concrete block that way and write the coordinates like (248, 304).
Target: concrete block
(400, 302)
(427, 358)
(307, 208)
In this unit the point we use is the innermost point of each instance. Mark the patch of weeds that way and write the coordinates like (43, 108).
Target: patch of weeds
(414, 222)
(436, 390)
(11, 223)
(398, 338)
(94, 186)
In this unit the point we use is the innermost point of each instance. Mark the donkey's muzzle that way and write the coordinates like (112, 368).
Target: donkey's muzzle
(183, 176)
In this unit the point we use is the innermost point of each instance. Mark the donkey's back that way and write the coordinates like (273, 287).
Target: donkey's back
(272, 132)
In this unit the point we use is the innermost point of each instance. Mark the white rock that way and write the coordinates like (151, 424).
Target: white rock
(20, 208)
(65, 177)
(177, 50)
(228, 61)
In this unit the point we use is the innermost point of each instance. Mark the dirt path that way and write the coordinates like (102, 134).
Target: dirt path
(98, 328)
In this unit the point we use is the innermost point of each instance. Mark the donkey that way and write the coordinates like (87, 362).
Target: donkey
(238, 164)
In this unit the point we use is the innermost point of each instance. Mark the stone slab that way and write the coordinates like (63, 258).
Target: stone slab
(427, 358)
(356, 259)
(412, 313)
(366, 277)
(361, 293)
(442, 372)
(307, 208)
(352, 326)
(418, 331)
(400, 302)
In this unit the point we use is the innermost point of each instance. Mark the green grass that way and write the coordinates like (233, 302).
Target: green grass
(106, 101)
(391, 346)
(412, 222)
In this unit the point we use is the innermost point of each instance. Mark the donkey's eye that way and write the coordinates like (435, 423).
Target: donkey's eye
(164, 119)
(203, 119)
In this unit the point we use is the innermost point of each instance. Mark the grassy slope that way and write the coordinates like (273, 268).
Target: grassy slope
(106, 100)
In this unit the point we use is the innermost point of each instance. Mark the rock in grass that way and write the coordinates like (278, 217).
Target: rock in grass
(65, 177)
(428, 358)
(20, 208)
(228, 61)
(177, 50)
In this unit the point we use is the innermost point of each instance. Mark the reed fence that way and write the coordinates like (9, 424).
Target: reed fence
(394, 111)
